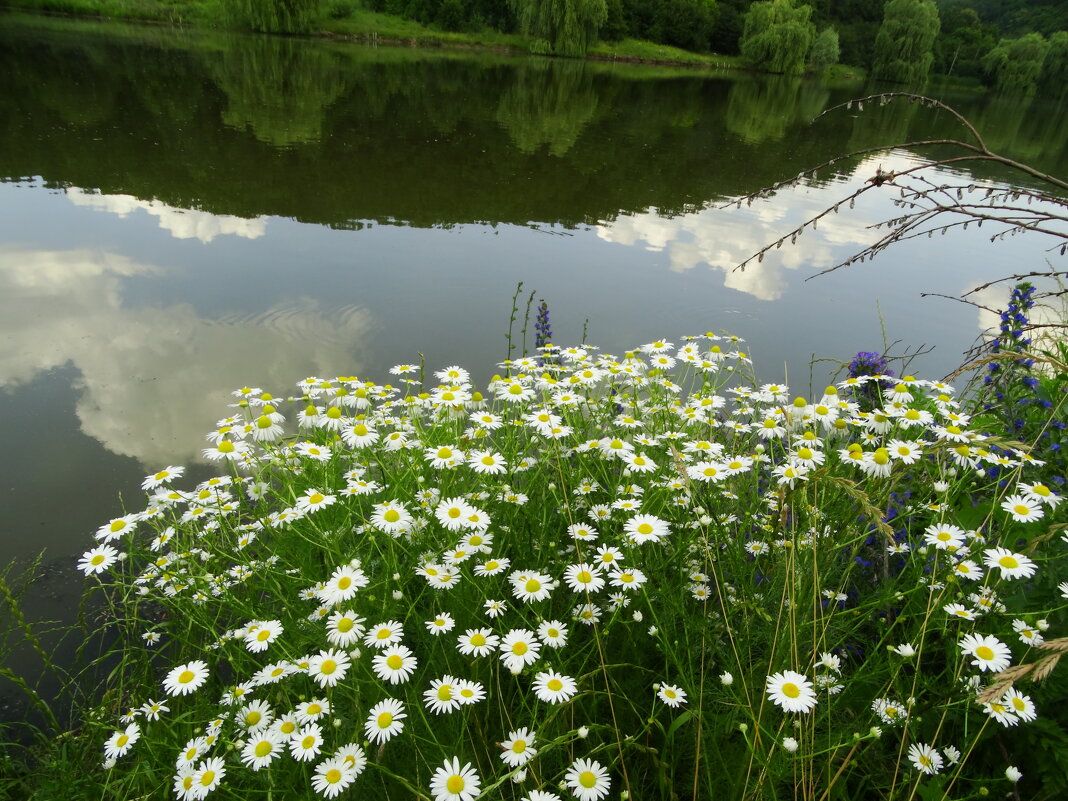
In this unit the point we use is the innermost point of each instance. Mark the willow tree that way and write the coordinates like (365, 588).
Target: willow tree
(904, 46)
(1016, 64)
(560, 27)
(777, 36)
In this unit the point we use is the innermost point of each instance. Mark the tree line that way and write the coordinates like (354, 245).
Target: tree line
(1016, 45)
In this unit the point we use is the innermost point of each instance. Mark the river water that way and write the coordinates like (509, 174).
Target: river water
(183, 214)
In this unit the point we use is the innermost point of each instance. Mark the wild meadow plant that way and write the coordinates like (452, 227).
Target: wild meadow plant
(601, 577)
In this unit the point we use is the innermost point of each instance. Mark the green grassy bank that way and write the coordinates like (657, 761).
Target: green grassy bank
(343, 18)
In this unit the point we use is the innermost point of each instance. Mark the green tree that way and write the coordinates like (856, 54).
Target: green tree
(1015, 65)
(904, 44)
(777, 36)
(561, 27)
(685, 23)
(824, 51)
(963, 42)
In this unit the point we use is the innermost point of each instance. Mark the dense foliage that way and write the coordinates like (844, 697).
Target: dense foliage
(903, 48)
(778, 35)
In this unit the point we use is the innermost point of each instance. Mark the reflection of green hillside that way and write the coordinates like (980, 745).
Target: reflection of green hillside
(419, 137)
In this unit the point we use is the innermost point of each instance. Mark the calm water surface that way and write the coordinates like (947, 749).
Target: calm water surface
(184, 214)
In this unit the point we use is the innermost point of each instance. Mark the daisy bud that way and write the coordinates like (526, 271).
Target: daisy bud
(726, 679)
(583, 732)
(789, 744)
(1013, 774)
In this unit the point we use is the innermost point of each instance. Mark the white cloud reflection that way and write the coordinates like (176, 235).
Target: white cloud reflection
(181, 223)
(155, 379)
(723, 238)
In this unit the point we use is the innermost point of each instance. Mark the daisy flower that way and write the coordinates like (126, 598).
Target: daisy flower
(311, 711)
(443, 695)
(186, 678)
(518, 649)
(331, 777)
(208, 775)
(354, 757)
(944, 537)
(531, 587)
(116, 527)
(588, 780)
(344, 629)
(627, 579)
(395, 664)
(306, 744)
(641, 529)
(97, 560)
(256, 716)
(469, 692)
(1023, 508)
(385, 720)
(519, 748)
(261, 633)
(1021, 705)
(554, 688)
(671, 695)
(583, 577)
(383, 635)
(262, 748)
(328, 667)
(342, 585)
(477, 642)
(553, 633)
(1012, 565)
(925, 758)
(313, 500)
(988, 653)
(121, 742)
(440, 624)
(453, 783)
(791, 691)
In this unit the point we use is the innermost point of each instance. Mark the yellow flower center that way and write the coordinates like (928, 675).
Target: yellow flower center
(985, 653)
(587, 778)
(98, 559)
(307, 742)
(391, 516)
(645, 528)
(455, 784)
(1009, 562)
(791, 690)
(519, 746)
(533, 585)
(328, 666)
(478, 640)
(445, 692)
(186, 676)
(555, 685)
(394, 662)
(345, 624)
(344, 583)
(519, 648)
(385, 720)
(253, 717)
(207, 777)
(262, 749)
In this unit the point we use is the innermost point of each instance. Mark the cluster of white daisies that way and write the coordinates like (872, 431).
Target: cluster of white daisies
(632, 457)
